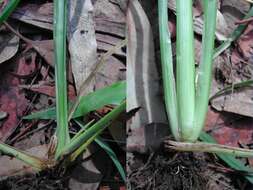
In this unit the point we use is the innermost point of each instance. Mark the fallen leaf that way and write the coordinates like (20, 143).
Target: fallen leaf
(48, 89)
(26, 65)
(40, 15)
(44, 47)
(234, 10)
(245, 42)
(121, 3)
(198, 21)
(229, 129)
(82, 41)
(234, 69)
(9, 44)
(239, 102)
(110, 20)
(12, 101)
(106, 42)
(109, 73)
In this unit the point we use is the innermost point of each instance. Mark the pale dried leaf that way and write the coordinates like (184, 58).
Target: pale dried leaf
(9, 44)
(35, 14)
(221, 25)
(82, 41)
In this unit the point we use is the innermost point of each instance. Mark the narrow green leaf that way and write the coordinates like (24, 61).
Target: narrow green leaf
(167, 69)
(104, 146)
(113, 156)
(93, 131)
(230, 88)
(84, 127)
(234, 36)
(113, 94)
(82, 147)
(230, 160)
(10, 7)
(48, 113)
(60, 30)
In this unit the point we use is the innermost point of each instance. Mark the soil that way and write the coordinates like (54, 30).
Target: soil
(164, 170)
(176, 171)
(42, 181)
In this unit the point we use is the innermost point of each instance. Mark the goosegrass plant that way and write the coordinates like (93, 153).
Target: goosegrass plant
(62, 146)
(187, 93)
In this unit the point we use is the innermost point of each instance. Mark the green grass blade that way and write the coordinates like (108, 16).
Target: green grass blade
(113, 94)
(85, 145)
(49, 113)
(167, 69)
(10, 7)
(103, 145)
(230, 160)
(230, 88)
(234, 36)
(185, 68)
(204, 74)
(33, 161)
(113, 156)
(95, 129)
(84, 127)
(60, 28)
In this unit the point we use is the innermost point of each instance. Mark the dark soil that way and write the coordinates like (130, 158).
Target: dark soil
(177, 171)
(42, 181)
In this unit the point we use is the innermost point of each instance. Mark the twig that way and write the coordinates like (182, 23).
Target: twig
(244, 21)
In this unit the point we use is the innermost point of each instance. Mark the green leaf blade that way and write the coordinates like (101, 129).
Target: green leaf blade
(91, 133)
(167, 69)
(204, 75)
(113, 157)
(230, 160)
(110, 95)
(185, 69)
(234, 36)
(10, 7)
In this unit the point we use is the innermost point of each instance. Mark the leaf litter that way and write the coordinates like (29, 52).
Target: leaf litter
(31, 85)
(231, 125)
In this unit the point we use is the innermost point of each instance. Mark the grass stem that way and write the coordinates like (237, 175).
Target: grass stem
(204, 74)
(167, 69)
(185, 68)
(60, 28)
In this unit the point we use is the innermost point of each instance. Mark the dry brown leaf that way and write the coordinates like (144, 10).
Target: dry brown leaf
(9, 44)
(36, 14)
(82, 41)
